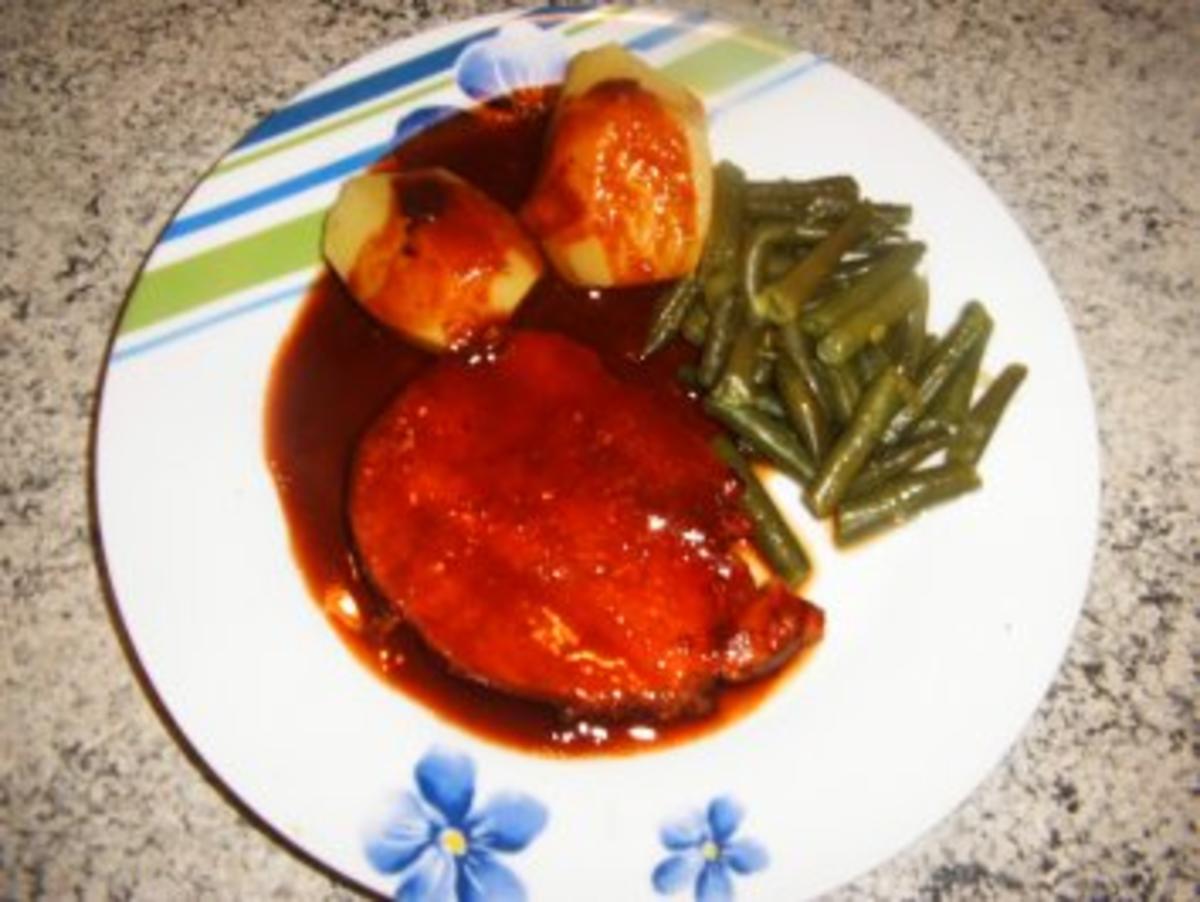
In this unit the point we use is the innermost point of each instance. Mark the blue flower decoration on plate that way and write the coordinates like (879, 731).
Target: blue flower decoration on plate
(704, 854)
(443, 848)
(519, 55)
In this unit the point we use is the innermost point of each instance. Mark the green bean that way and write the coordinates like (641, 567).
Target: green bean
(929, 346)
(859, 259)
(852, 449)
(797, 238)
(718, 270)
(898, 461)
(953, 402)
(768, 353)
(845, 273)
(764, 402)
(930, 423)
(804, 409)
(899, 261)
(812, 211)
(784, 298)
(689, 377)
(786, 253)
(902, 499)
(973, 326)
(888, 221)
(723, 327)
(802, 204)
(736, 385)
(897, 216)
(775, 247)
(870, 362)
(695, 325)
(843, 391)
(776, 264)
(815, 356)
(870, 322)
(770, 438)
(879, 237)
(806, 229)
(797, 347)
(769, 404)
(836, 282)
(728, 184)
(840, 186)
(800, 235)
(720, 284)
(773, 535)
(981, 422)
(813, 225)
(761, 239)
(669, 313)
(906, 340)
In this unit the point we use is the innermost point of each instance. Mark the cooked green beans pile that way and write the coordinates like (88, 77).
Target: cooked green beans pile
(810, 319)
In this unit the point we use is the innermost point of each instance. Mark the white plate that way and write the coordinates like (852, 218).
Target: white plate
(941, 638)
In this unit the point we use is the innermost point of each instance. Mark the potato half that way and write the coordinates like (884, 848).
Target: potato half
(624, 194)
(429, 255)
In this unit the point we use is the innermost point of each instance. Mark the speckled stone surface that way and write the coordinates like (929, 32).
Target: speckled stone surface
(1085, 118)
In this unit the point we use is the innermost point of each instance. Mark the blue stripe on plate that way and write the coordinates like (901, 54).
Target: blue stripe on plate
(185, 225)
(668, 32)
(398, 76)
(202, 325)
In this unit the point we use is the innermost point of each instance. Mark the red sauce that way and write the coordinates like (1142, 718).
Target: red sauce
(338, 369)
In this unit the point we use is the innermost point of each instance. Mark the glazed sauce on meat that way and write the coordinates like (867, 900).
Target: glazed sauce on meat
(338, 369)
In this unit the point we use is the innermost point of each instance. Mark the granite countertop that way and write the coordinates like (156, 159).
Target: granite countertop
(1084, 117)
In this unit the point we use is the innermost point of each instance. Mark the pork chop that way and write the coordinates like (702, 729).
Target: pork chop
(564, 535)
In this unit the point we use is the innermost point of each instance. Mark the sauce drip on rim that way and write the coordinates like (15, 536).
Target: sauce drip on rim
(338, 369)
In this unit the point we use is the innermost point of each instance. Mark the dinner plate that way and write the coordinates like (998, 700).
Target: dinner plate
(941, 638)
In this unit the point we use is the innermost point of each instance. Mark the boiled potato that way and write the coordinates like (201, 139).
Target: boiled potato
(429, 255)
(624, 194)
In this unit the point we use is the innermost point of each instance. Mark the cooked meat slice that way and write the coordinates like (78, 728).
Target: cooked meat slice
(559, 534)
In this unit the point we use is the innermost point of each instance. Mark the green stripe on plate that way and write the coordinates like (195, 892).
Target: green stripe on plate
(227, 268)
(723, 63)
